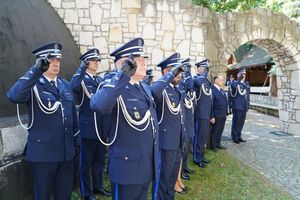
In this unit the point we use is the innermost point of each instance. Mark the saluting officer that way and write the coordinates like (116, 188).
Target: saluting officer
(189, 103)
(240, 95)
(92, 152)
(52, 123)
(133, 154)
(203, 112)
(169, 106)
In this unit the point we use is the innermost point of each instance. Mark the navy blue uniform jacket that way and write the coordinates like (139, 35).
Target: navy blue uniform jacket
(240, 101)
(51, 137)
(133, 157)
(86, 114)
(204, 102)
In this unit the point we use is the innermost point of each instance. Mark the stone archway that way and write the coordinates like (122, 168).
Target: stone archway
(193, 31)
(278, 36)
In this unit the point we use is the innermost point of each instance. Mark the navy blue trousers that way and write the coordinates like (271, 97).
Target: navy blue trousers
(202, 130)
(53, 177)
(238, 121)
(170, 163)
(129, 192)
(92, 158)
(187, 143)
(216, 132)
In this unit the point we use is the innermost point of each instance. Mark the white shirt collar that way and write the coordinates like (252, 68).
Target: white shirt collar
(55, 79)
(171, 84)
(91, 75)
(217, 86)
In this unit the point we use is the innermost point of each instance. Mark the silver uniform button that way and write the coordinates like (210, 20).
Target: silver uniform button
(126, 158)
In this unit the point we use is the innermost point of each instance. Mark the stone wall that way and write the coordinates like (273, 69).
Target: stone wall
(193, 31)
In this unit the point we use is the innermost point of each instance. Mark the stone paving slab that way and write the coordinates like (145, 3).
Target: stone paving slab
(275, 157)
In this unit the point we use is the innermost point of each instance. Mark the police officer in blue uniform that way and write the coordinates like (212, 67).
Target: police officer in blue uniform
(52, 123)
(133, 151)
(220, 111)
(169, 107)
(189, 103)
(92, 152)
(240, 95)
(203, 112)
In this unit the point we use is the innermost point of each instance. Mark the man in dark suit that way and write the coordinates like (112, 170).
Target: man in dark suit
(92, 152)
(52, 123)
(220, 108)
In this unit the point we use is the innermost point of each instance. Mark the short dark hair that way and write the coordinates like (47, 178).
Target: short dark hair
(215, 77)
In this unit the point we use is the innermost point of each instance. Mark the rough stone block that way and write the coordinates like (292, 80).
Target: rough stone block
(115, 9)
(184, 48)
(85, 21)
(284, 115)
(13, 140)
(149, 10)
(149, 31)
(179, 32)
(197, 35)
(211, 50)
(294, 66)
(162, 5)
(55, 3)
(131, 3)
(295, 80)
(156, 56)
(68, 4)
(297, 103)
(86, 38)
(115, 33)
(71, 16)
(298, 116)
(96, 14)
(168, 22)
(167, 41)
(132, 23)
(82, 3)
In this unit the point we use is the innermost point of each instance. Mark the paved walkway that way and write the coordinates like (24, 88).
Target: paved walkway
(276, 157)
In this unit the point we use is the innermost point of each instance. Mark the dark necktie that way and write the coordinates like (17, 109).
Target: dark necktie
(137, 86)
(54, 85)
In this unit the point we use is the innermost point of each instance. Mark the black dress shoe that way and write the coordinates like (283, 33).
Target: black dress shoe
(214, 149)
(201, 165)
(241, 140)
(181, 192)
(103, 192)
(185, 176)
(89, 198)
(205, 161)
(236, 141)
(185, 189)
(221, 147)
(189, 171)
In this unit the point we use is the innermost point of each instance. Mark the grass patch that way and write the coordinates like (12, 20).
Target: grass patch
(225, 178)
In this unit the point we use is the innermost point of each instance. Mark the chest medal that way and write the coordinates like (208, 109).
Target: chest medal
(137, 115)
